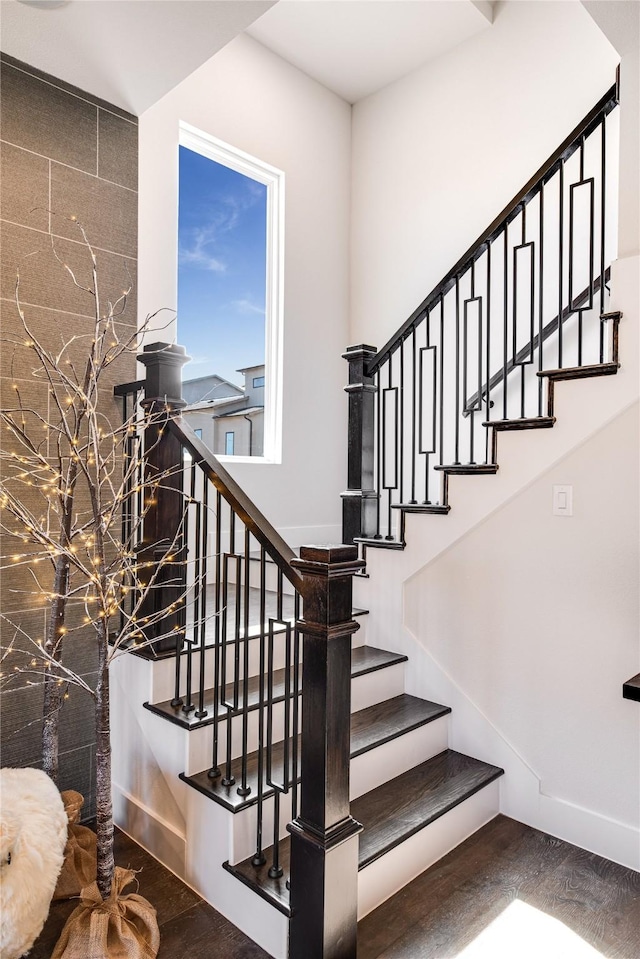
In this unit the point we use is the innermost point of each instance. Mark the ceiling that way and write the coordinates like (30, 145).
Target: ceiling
(132, 52)
(128, 52)
(357, 47)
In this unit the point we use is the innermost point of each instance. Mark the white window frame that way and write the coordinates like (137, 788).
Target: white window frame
(230, 156)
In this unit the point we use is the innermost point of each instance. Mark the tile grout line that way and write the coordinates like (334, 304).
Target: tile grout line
(68, 166)
(77, 96)
(53, 309)
(68, 239)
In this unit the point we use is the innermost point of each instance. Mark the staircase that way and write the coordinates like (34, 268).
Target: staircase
(278, 763)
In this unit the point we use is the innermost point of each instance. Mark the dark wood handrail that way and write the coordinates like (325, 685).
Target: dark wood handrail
(586, 126)
(274, 545)
(533, 344)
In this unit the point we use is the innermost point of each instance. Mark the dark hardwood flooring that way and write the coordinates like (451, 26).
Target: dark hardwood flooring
(445, 910)
(189, 927)
(441, 913)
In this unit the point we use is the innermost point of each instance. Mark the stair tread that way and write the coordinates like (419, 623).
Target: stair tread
(368, 659)
(389, 813)
(437, 509)
(577, 372)
(631, 689)
(468, 469)
(522, 423)
(397, 809)
(370, 727)
(379, 542)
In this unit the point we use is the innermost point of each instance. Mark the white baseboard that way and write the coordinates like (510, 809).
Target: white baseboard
(150, 831)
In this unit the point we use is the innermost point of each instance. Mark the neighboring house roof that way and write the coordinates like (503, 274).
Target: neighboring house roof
(249, 409)
(198, 390)
(247, 369)
(205, 405)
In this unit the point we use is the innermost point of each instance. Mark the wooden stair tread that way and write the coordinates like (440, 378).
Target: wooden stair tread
(370, 727)
(390, 814)
(437, 509)
(379, 542)
(631, 689)
(364, 659)
(580, 372)
(175, 714)
(397, 809)
(468, 469)
(522, 423)
(368, 659)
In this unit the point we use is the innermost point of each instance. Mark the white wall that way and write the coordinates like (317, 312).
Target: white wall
(536, 617)
(438, 154)
(253, 100)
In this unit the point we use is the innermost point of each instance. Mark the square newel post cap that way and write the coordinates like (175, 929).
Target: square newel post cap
(339, 560)
(163, 383)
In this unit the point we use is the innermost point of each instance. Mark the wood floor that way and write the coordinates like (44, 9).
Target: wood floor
(509, 891)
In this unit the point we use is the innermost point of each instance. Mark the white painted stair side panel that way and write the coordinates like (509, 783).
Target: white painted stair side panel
(386, 875)
(391, 759)
(208, 844)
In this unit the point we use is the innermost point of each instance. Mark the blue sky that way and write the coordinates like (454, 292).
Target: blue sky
(221, 268)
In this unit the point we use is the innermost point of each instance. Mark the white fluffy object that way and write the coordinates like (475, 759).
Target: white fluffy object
(33, 834)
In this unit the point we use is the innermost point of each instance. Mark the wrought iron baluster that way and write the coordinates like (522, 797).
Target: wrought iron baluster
(414, 424)
(201, 712)
(603, 209)
(215, 771)
(244, 789)
(488, 364)
(259, 858)
(541, 298)
(560, 259)
(505, 332)
(188, 705)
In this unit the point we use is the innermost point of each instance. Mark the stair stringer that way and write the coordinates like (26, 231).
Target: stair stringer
(583, 408)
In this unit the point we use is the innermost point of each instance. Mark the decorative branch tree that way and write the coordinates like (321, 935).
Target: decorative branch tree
(69, 473)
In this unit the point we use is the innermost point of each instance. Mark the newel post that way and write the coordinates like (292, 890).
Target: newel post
(164, 504)
(324, 837)
(359, 501)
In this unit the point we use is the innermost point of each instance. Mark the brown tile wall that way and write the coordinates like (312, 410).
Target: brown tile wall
(63, 154)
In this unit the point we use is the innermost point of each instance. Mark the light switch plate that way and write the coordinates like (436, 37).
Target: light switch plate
(563, 500)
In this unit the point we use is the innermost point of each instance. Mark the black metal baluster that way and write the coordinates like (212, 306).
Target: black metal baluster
(560, 257)
(522, 367)
(214, 772)
(400, 418)
(378, 534)
(228, 779)
(414, 424)
(188, 703)
(505, 293)
(465, 347)
(456, 458)
(243, 788)
(603, 204)
(590, 260)
(434, 409)
(201, 712)
(541, 297)
(488, 394)
(259, 858)
(395, 453)
(442, 380)
(295, 745)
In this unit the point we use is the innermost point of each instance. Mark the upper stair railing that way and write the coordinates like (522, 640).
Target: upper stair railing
(239, 609)
(526, 298)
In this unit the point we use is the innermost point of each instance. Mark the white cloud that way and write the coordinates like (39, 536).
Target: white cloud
(246, 306)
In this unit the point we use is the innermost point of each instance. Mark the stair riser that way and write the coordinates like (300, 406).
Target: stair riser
(367, 771)
(208, 844)
(391, 759)
(244, 826)
(163, 671)
(380, 880)
(366, 690)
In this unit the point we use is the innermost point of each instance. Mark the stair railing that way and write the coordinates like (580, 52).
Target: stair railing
(524, 299)
(250, 626)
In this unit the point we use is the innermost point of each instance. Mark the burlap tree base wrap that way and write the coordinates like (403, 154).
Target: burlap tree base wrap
(79, 867)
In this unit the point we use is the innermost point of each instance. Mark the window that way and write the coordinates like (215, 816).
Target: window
(229, 443)
(198, 433)
(230, 272)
